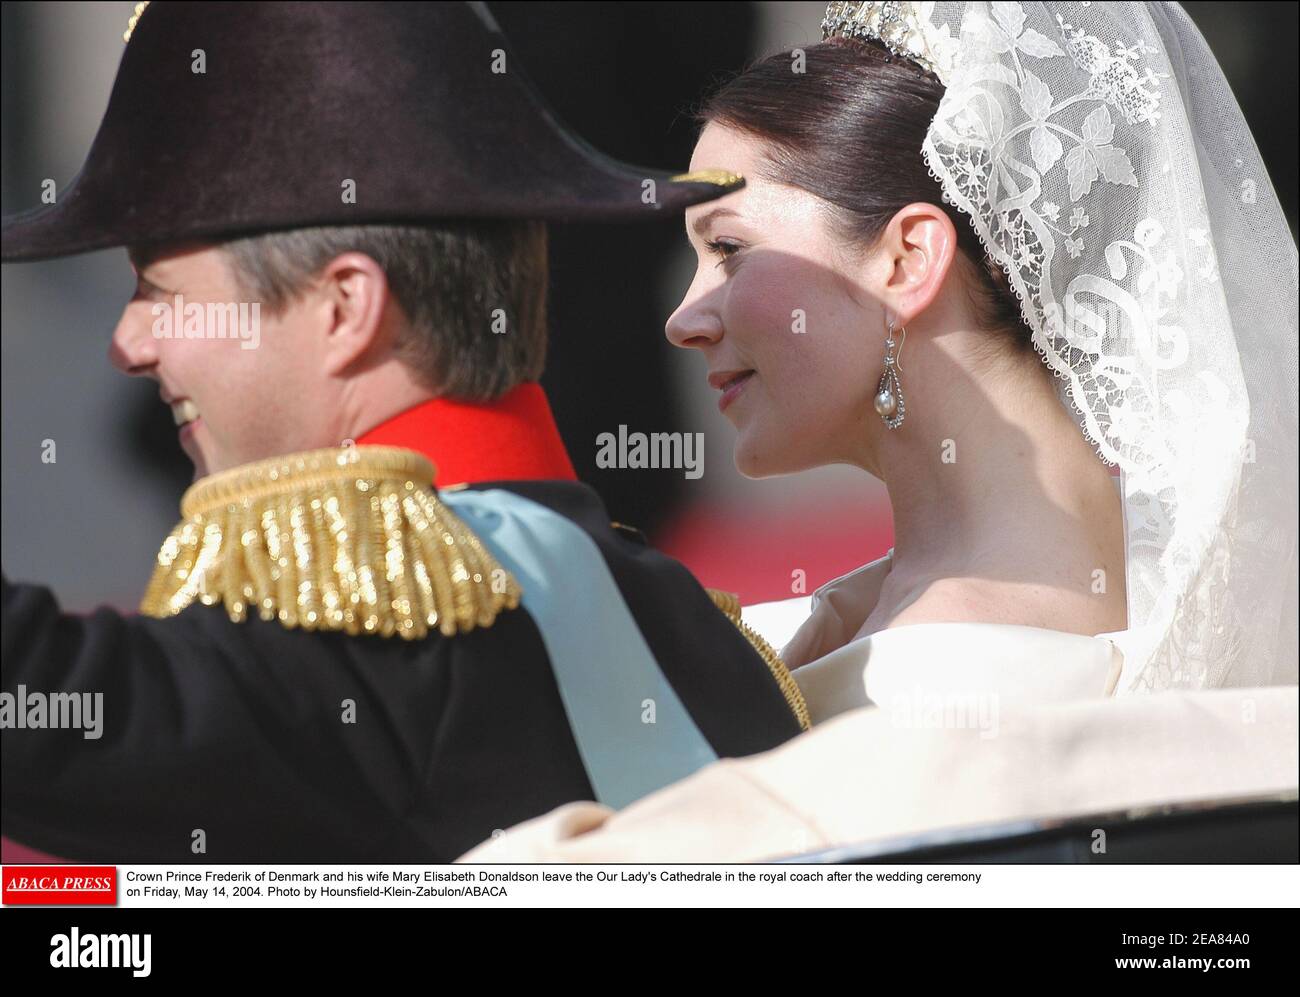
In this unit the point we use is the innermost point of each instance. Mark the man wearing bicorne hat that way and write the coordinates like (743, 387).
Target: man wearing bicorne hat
(390, 620)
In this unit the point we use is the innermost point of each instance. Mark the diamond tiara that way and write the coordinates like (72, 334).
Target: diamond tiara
(903, 28)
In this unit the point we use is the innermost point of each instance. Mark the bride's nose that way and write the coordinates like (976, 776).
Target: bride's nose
(693, 325)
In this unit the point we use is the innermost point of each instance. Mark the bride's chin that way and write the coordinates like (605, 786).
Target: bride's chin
(743, 457)
(774, 455)
(755, 460)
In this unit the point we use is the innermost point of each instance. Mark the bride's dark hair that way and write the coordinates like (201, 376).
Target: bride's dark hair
(849, 129)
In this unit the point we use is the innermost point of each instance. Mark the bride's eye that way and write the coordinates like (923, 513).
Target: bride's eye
(722, 249)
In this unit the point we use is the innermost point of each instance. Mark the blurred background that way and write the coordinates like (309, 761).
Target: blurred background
(626, 77)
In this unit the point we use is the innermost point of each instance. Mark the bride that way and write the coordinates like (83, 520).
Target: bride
(1003, 513)
(1030, 273)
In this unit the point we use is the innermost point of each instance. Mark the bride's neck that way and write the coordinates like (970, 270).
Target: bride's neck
(989, 474)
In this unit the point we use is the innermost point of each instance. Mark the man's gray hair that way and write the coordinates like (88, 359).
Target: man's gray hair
(473, 292)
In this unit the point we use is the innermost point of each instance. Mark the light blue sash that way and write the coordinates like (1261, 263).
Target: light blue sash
(632, 731)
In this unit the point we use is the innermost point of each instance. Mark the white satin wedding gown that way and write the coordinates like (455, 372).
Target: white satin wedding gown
(935, 725)
(925, 663)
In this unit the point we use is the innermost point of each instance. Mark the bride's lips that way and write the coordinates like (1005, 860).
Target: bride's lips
(731, 383)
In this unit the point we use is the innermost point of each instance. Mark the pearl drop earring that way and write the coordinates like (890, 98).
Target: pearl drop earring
(889, 392)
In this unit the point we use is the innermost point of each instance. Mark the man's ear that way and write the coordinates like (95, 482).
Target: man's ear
(354, 294)
(919, 246)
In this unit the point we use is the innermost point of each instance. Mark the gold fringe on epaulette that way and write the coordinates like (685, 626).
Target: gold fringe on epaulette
(729, 603)
(351, 539)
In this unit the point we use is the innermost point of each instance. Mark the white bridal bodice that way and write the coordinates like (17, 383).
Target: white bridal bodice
(922, 665)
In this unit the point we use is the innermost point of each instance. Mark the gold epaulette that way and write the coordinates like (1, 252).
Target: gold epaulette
(350, 538)
(729, 603)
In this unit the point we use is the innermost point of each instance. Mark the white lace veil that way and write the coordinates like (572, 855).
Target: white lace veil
(1104, 162)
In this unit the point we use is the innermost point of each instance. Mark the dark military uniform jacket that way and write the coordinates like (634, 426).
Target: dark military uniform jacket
(240, 725)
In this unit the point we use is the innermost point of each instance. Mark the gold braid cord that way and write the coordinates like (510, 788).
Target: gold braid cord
(351, 539)
(729, 603)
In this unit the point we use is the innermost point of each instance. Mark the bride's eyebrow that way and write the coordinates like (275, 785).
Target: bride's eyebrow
(701, 223)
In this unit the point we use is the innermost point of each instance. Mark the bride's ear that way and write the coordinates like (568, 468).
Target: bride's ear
(917, 251)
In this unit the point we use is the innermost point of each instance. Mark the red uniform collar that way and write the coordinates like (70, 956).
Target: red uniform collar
(511, 439)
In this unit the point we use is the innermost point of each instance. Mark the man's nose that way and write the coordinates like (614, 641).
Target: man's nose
(133, 349)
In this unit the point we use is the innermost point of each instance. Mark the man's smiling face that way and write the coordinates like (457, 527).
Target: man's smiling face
(232, 403)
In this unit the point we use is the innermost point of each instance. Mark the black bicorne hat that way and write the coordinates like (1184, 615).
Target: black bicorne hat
(233, 118)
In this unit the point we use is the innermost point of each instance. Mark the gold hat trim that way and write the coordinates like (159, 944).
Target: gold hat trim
(720, 178)
(353, 539)
(729, 603)
(133, 20)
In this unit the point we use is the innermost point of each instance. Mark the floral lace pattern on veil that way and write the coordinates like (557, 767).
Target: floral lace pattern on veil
(1074, 148)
